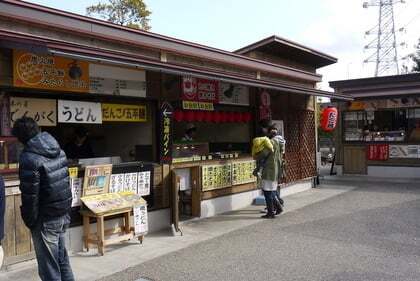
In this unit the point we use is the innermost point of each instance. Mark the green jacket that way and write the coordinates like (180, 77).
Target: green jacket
(273, 168)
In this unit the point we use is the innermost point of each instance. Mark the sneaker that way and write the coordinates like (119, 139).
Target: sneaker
(278, 211)
(267, 216)
(264, 211)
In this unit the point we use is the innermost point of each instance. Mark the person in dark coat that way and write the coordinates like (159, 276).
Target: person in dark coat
(2, 211)
(46, 198)
(79, 147)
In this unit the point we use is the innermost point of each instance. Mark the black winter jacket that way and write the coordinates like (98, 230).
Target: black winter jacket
(2, 207)
(44, 180)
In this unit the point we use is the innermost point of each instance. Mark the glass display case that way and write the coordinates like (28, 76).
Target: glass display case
(183, 152)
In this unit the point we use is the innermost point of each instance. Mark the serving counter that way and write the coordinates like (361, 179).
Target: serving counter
(197, 181)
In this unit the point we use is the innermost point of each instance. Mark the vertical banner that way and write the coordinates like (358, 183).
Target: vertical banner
(379, 152)
(76, 186)
(265, 106)
(166, 134)
(6, 129)
(143, 188)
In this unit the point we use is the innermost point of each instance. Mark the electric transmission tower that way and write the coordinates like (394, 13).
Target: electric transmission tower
(385, 42)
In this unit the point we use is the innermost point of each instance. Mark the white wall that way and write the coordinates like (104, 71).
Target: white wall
(394, 172)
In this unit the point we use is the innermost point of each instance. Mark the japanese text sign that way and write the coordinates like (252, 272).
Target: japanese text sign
(201, 90)
(123, 113)
(140, 219)
(166, 117)
(194, 105)
(79, 112)
(49, 72)
(43, 111)
(378, 152)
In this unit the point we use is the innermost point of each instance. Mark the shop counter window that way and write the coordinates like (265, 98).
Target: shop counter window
(387, 125)
(10, 149)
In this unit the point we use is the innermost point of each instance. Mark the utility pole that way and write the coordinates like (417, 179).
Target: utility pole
(385, 41)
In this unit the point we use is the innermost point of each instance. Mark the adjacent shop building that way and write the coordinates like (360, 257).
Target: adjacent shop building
(379, 131)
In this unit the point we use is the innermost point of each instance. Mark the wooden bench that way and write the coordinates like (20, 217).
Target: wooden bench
(104, 237)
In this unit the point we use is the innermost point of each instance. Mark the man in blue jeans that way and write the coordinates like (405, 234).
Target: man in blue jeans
(2, 211)
(46, 198)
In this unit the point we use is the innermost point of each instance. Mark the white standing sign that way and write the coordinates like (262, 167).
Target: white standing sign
(76, 191)
(79, 112)
(140, 219)
(143, 188)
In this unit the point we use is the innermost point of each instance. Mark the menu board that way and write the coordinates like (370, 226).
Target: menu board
(97, 179)
(38, 71)
(111, 201)
(138, 182)
(130, 182)
(216, 176)
(242, 172)
(110, 80)
(141, 225)
(143, 187)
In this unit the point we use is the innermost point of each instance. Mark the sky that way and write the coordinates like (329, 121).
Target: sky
(335, 27)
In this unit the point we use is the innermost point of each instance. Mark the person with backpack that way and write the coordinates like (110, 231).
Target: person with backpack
(266, 151)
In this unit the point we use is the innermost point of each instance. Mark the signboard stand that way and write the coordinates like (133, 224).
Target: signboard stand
(100, 239)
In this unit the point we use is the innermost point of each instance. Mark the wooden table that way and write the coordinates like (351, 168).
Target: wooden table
(104, 237)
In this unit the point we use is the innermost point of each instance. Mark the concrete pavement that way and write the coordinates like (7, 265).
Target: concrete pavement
(344, 230)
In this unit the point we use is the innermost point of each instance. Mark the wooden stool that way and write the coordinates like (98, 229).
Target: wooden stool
(102, 237)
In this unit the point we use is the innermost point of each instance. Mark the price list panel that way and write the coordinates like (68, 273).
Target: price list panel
(242, 172)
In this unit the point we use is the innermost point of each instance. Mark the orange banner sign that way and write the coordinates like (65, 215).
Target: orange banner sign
(49, 72)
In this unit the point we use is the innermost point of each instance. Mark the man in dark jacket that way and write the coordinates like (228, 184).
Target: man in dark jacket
(2, 209)
(46, 198)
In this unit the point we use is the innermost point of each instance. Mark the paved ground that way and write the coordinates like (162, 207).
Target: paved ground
(349, 229)
(369, 233)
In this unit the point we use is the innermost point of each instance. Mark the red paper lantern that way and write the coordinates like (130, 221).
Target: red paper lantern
(231, 117)
(243, 117)
(217, 117)
(329, 117)
(208, 116)
(178, 115)
(189, 116)
(238, 117)
(199, 116)
(223, 117)
(247, 117)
